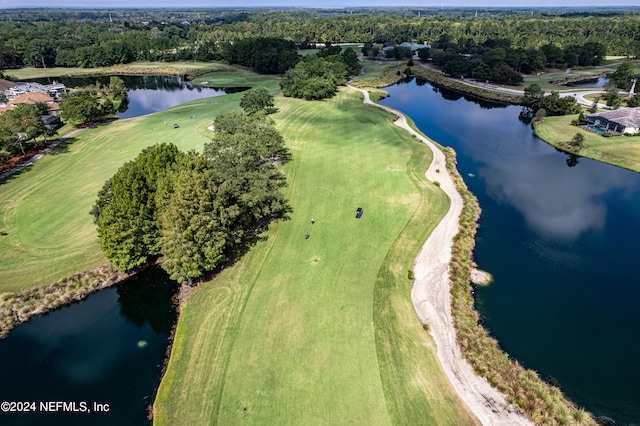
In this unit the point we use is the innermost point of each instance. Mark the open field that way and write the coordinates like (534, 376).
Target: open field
(379, 73)
(321, 330)
(135, 68)
(44, 210)
(622, 151)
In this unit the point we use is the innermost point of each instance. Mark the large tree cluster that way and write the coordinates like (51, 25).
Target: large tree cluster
(194, 210)
(498, 61)
(318, 76)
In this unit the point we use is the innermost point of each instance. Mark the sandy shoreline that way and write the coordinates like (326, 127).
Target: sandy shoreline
(431, 298)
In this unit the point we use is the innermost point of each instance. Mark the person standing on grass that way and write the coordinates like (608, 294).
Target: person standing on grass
(313, 221)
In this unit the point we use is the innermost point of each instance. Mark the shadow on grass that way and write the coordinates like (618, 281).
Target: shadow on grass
(63, 147)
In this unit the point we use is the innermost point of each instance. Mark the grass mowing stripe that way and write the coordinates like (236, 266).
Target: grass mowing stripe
(306, 348)
(44, 210)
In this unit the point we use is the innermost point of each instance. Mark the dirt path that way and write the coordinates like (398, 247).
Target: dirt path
(432, 299)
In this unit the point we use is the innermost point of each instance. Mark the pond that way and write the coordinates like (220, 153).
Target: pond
(107, 350)
(560, 235)
(148, 94)
(594, 83)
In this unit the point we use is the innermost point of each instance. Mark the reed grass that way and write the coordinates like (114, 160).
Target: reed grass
(19, 307)
(540, 401)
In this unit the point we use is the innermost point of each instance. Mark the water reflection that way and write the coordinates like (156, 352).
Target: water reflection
(559, 235)
(148, 94)
(106, 349)
(554, 202)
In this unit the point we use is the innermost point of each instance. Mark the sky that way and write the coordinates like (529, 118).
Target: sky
(113, 4)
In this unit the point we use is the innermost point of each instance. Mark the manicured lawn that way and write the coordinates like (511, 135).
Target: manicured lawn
(622, 151)
(141, 68)
(45, 210)
(321, 331)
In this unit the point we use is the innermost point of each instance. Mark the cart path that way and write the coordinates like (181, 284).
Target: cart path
(432, 299)
(36, 157)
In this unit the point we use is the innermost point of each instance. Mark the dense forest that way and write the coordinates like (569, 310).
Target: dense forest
(85, 42)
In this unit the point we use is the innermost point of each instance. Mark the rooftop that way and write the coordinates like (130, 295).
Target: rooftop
(628, 117)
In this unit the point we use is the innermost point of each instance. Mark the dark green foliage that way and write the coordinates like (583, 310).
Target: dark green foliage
(351, 61)
(577, 141)
(196, 219)
(263, 55)
(552, 104)
(192, 209)
(18, 129)
(244, 152)
(623, 75)
(614, 99)
(86, 107)
(315, 78)
(125, 212)
(256, 100)
(634, 101)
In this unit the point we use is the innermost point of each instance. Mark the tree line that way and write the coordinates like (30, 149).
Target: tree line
(196, 211)
(82, 43)
(498, 61)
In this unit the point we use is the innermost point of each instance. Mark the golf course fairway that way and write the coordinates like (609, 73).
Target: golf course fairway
(321, 330)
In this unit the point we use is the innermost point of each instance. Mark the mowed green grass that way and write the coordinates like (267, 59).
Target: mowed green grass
(142, 67)
(44, 210)
(622, 151)
(321, 331)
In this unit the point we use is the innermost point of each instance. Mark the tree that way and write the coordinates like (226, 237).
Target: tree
(621, 77)
(125, 212)
(614, 100)
(540, 115)
(594, 106)
(20, 126)
(257, 99)
(86, 107)
(577, 142)
(314, 78)
(533, 94)
(245, 151)
(196, 220)
(634, 101)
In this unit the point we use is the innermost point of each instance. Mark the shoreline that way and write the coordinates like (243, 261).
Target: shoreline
(431, 270)
(497, 389)
(19, 307)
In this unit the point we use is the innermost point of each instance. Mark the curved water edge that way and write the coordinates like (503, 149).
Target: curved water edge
(558, 237)
(106, 350)
(430, 293)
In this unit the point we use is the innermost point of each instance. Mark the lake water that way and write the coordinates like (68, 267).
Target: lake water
(148, 94)
(560, 236)
(595, 83)
(108, 349)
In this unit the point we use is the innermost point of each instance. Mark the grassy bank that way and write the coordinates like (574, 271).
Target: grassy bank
(621, 151)
(543, 403)
(321, 330)
(19, 307)
(190, 69)
(46, 232)
(383, 74)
